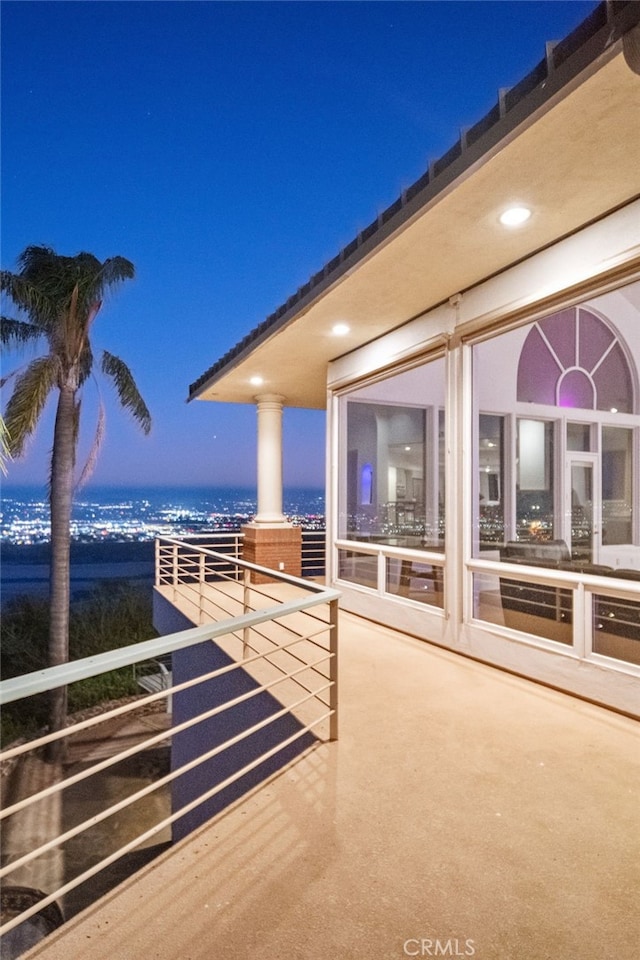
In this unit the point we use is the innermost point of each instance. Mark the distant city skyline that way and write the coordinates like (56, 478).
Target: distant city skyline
(121, 514)
(229, 150)
(113, 529)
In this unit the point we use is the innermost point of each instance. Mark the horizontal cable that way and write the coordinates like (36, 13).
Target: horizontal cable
(162, 781)
(152, 831)
(204, 601)
(290, 630)
(246, 565)
(111, 761)
(189, 566)
(150, 788)
(268, 653)
(126, 708)
(306, 637)
(302, 669)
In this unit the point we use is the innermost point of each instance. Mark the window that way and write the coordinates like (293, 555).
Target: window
(578, 436)
(555, 465)
(392, 482)
(617, 485)
(534, 480)
(556, 438)
(574, 359)
(491, 478)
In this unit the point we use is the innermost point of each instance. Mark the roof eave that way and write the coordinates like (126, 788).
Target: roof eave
(555, 76)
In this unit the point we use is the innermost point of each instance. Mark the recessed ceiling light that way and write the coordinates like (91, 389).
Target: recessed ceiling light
(256, 381)
(515, 216)
(340, 329)
(614, 409)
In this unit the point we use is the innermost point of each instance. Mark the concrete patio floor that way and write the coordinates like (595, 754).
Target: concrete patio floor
(463, 812)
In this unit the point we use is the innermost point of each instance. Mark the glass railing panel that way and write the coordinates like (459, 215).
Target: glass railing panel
(616, 628)
(358, 568)
(542, 610)
(415, 580)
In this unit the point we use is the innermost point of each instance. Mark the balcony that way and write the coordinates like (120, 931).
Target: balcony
(462, 812)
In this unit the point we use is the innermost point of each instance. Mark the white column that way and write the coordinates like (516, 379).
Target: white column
(270, 460)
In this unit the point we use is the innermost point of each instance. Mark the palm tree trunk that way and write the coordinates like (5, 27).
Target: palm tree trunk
(62, 466)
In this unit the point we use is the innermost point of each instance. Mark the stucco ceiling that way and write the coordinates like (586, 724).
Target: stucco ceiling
(571, 163)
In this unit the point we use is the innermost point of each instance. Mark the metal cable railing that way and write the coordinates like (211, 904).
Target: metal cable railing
(282, 647)
(229, 544)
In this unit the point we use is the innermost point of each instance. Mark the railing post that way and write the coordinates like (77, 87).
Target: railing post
(201, 574)
(157, 561)
(246, 599)
(381, 576)
(333, 669)
(174, 564)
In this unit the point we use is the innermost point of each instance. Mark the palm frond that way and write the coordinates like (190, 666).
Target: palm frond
(36, 259)
(31, 298)
(27, 401)
(93, 279)
(54, 275)
(4, 447)
(48, 282)
(96, 280)
(15, 332)
(85, 363)
(126, 388)
(11, 376)
(90, 464)
(116, 270)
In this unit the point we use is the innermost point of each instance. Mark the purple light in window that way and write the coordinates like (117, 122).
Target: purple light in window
(571, 358)
(366, 484)
(537, 371)
(576, 390)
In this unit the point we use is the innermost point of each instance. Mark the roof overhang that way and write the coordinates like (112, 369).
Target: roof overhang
(569, 150)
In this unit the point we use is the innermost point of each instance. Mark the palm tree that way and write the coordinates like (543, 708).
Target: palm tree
(59, 298)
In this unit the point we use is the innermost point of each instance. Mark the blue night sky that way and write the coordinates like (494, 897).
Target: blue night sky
(229, 150)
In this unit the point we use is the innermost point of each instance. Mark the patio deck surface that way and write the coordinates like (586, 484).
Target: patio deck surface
(463, 812)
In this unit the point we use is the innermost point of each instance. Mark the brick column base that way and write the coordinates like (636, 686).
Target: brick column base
(279, 548)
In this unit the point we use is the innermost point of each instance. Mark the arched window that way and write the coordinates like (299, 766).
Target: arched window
(574, 359)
